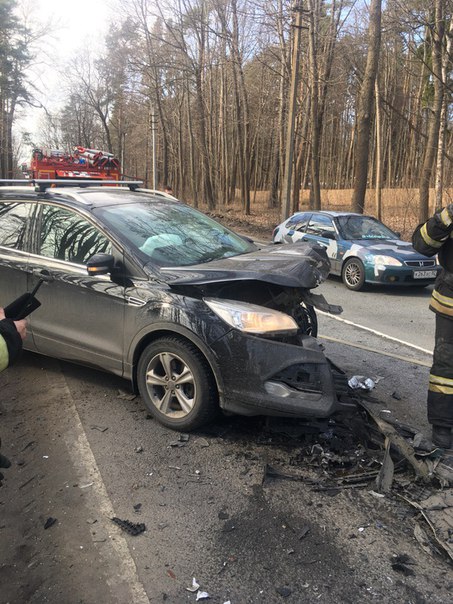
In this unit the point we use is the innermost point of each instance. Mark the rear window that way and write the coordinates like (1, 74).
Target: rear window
(13, 224)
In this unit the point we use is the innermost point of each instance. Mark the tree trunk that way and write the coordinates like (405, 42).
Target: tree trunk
(365, 108)
(315, 123)
(437, 35)
(443, 122)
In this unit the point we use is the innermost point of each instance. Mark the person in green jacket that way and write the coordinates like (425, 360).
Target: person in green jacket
(435, 236)
(12, 333)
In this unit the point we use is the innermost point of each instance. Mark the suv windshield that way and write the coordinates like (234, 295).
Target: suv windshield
(363, 227)
(172, 234)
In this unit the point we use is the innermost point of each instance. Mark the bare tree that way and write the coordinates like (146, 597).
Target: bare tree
(364, 112)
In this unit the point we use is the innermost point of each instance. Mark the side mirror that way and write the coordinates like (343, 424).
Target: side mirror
(328, 235)
(100, 264)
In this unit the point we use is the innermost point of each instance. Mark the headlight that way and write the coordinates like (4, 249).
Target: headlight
(387, 261)
(252, 318)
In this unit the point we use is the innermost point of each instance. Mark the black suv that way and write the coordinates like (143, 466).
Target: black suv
(150, 289)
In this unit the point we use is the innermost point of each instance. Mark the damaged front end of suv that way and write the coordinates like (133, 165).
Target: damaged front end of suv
(267, 360)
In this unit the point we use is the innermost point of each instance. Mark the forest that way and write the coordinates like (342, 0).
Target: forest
(228, 100)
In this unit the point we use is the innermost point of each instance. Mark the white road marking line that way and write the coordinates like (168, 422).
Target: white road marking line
(382, 352)
(377, 333)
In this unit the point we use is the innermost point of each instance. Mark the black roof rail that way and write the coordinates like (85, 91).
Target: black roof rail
(41, 184)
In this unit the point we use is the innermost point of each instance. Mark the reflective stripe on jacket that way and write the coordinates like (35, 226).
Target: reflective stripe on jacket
(433, 237)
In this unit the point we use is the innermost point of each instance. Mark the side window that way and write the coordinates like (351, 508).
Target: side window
(13, 224)
(298, 222)
(67, 236)
(320, 223)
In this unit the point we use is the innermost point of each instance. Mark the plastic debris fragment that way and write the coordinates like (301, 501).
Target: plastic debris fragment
(132, 528)
(49, 522)
(202, 595)
(195, 586)
(361, 382)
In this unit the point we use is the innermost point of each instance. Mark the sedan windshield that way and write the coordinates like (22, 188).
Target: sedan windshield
(172, 234)
(363, 227)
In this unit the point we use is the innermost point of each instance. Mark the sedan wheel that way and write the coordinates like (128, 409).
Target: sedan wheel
(176, 384)
(353, 274)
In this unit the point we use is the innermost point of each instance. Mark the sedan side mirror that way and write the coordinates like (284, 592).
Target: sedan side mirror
(100, 264)
(328, 235)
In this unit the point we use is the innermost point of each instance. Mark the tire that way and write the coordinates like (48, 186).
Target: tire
(353, 274)
(307, 319)
(185, 402)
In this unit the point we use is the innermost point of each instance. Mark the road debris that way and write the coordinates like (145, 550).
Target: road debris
(99, 428)
(361, 382)
(194, 587)
(49, 522)
(283, 591)
(202, 595)
(400, 564)
(437, 510)
(362, 449)
(183, 439)
(132, 528)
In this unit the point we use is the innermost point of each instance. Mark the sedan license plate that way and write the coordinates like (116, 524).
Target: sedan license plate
(424, 274)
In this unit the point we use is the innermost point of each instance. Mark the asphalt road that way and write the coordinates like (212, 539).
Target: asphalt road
(84, 451)
(399, 312)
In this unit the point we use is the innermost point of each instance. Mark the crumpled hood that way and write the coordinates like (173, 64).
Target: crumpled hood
(303, 266)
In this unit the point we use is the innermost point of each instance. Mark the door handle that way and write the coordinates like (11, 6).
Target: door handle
(44, 274)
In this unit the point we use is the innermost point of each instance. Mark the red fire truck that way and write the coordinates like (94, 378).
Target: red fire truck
(81, 163)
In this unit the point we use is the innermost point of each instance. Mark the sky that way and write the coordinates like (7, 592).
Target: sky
(73, 27)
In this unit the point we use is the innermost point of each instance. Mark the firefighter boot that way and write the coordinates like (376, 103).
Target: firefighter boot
(442, 436)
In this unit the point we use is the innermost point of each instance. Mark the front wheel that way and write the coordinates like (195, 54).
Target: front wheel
(176, 384)
(353, 274)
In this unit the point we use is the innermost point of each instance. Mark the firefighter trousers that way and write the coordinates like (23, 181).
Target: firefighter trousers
(440, 390)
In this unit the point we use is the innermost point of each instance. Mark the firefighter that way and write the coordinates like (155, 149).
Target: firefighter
(436, 237)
